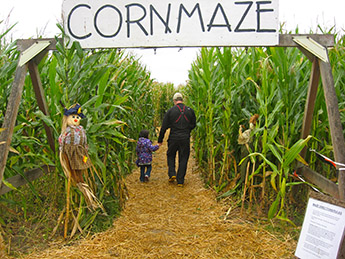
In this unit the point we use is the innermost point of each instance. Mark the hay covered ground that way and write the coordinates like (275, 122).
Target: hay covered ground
(161, 220)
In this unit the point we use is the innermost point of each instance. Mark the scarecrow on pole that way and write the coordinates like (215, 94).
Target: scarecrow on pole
(74, 158)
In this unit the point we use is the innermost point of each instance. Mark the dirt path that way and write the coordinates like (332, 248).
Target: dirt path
(161, 220)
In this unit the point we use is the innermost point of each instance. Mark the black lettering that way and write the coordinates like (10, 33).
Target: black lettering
(196, 7)
(120, 21)
(258, 10)
(129, 21)
(166, 23)
(227, 24)
(237, 29)
(69, 22)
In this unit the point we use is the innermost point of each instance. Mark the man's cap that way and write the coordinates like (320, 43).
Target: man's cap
(177, 95)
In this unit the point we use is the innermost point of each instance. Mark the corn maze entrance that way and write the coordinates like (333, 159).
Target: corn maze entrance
(314, 46)
(199, 235)
(161, 220)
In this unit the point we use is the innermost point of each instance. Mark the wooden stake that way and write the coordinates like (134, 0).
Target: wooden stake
(334, 121)
(67, 207)
(11, 116)
(245, 188)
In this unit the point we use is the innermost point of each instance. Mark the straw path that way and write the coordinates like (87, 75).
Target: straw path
(161, 220)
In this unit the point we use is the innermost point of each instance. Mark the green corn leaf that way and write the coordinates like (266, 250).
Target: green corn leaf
(9, 185)
(274, 208)
(275, 152)
(294, 151)
(47, 120)
(102, 86)
(273, 166)
(283, 188)
(285, 219)
(114, 122)
(13, 150)
(273, 181)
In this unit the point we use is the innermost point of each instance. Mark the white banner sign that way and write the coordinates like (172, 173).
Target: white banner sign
(322, 231)
(158, 23)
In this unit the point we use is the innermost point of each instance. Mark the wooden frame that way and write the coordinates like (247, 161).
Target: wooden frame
(13, 106)
(319, 68)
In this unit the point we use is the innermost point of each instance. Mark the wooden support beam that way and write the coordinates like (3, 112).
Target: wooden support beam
(317, 179)
(334, 121)
(29, 176)
(40, 56)
(11, 116)
(312, 48)
(286, 40)
(24, 44)
(40, 97)
(310, 102)
(324, 69)
(310, 56)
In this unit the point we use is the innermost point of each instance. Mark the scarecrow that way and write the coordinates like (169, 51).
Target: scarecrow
(244, 137)
(74, 156)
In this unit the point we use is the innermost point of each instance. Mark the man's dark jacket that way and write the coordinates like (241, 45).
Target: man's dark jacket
(180, 123)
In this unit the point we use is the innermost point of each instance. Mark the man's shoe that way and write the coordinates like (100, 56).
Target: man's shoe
(172, 178)
(146, 178)
(180, 185)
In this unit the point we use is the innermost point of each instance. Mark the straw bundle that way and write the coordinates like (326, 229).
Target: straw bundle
(161, 220)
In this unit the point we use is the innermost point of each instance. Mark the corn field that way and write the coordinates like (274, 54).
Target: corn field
(227, 87)
(115, 91)
(232, 90)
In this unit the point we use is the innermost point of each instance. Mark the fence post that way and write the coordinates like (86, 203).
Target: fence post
(334, 121)
(42, 104)
(11, 116)
(310, 103)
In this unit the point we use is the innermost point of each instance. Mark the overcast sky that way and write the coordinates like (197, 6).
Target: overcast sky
(39, 17)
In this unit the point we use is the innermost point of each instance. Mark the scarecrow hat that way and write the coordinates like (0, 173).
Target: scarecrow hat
(74, 109)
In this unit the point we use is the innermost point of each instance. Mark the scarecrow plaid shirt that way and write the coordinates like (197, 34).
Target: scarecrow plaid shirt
(79, 136)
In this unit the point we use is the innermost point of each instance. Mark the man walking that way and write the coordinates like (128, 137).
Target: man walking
(181, 120)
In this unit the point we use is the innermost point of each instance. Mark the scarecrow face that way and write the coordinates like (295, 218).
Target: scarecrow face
(73, 120)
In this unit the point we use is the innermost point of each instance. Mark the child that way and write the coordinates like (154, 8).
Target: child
(144, 151)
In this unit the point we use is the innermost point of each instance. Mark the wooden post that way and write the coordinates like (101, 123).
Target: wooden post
(334, 121)
(40, 97)
(310, 103)
(25, 177)
(11, 116)
(319, 180)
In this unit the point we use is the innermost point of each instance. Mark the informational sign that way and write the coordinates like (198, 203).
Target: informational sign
(322, 230)
(159, 23)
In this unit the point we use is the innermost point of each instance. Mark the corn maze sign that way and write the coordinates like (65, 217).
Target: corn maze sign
(159, 23)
